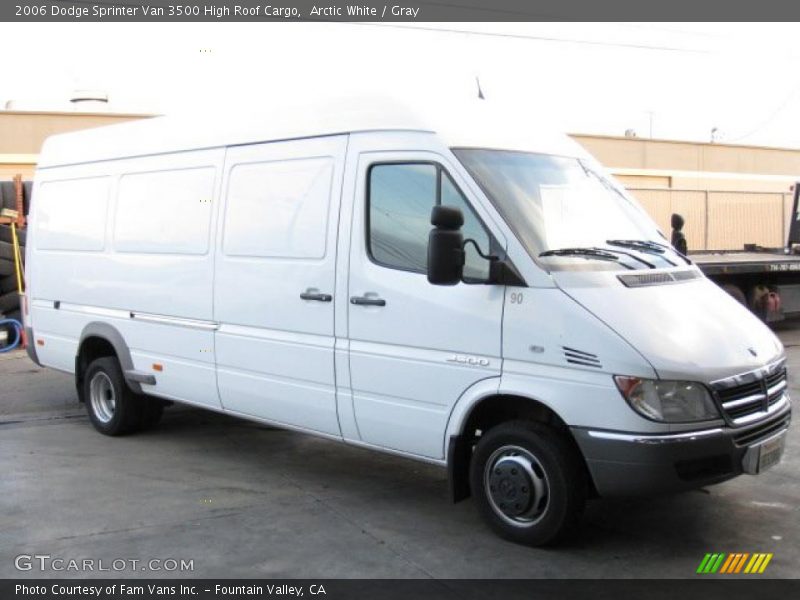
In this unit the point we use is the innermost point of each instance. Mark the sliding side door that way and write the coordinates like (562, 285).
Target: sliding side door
(274, 288)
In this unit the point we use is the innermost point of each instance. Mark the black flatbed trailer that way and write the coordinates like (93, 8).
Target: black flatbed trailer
(738, 262)
(766, 280)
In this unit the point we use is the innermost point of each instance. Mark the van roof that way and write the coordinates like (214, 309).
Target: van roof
(476, 124)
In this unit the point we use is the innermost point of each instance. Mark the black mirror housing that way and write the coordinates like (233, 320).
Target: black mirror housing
(446, 246)
(447, 217)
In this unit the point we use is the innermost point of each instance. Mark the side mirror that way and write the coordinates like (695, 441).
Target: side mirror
(446, 246)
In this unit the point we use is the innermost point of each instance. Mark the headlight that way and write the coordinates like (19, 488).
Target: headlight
(668, 401)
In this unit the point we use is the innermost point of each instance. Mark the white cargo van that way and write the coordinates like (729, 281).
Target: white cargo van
(466, 290)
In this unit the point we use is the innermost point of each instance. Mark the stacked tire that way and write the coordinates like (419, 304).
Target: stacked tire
(9, 294)
(8, 195)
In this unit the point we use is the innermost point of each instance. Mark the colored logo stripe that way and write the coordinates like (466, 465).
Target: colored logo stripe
(731, 560)
(758, 563)
(740, 564)
(734, 563)
(711, 563)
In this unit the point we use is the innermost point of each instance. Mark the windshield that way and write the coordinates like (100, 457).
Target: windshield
(555, 203)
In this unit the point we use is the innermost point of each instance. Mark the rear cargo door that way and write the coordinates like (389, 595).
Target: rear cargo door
(274, 285)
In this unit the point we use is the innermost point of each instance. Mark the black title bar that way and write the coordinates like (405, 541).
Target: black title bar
(401, 11)
(700, 588)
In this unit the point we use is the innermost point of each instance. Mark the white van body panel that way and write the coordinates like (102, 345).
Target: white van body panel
(119, 273)
(408, 359)
(232, 264)
(474, 123)
(149, 262)
(673, 329)
(541, 332)
(538, 326)
(274, 350)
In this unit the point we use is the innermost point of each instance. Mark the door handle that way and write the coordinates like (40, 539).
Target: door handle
(367, 301)
(316, 296)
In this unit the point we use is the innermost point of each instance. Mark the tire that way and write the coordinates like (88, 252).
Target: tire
(9, 302)
(8, 195)
(535, 475)
(152, 412)
(113, 408)
(6, 235)
(7, 251)
(8, 284)
(6, 267)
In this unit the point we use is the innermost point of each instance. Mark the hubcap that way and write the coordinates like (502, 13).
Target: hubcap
(102, 397)
(516, 485)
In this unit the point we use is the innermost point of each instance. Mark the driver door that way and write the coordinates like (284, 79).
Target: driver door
(414, 347)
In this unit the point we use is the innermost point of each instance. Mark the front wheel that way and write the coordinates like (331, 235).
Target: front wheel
(528, 481)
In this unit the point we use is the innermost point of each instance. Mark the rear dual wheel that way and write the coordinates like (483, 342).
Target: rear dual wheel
(113, 408)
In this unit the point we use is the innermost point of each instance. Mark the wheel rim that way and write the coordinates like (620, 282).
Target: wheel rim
(516, 486)
(102, 397)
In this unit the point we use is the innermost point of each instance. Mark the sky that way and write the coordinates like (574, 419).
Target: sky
(662, 80)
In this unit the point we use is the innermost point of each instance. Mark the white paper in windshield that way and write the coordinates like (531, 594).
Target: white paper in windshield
(567, 220)
(577, 216)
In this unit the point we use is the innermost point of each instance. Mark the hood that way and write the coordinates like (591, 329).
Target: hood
(688, 330)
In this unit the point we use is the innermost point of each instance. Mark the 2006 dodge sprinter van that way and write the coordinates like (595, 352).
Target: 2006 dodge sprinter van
(464, 289)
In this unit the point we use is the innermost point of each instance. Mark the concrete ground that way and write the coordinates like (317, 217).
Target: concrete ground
(242, 500)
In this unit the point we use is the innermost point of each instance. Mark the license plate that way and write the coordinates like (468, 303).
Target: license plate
(770, 452)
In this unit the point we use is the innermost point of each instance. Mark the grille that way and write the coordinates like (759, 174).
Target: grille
(751, 401)
(579, 357)
(761, 431)
(646, 279)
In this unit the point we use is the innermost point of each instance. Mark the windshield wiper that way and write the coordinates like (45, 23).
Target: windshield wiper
(587, 253)
(648, 246)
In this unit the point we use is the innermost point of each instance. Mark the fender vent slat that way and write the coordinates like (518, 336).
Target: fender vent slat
(580, 357)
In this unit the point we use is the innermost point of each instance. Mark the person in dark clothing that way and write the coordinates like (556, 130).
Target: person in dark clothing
(678, 238)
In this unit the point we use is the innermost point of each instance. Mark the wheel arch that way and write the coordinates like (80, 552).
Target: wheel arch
(482, 408)
(102, 339)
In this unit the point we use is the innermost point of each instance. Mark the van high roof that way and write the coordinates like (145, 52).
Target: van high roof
(476, 123)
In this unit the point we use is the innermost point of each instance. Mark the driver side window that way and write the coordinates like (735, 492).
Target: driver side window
(400, 198)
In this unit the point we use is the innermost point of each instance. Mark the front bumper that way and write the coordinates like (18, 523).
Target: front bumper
(623, 464)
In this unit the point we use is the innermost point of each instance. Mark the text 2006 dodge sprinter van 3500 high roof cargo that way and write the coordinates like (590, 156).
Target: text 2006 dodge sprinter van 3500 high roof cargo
(465, 290)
